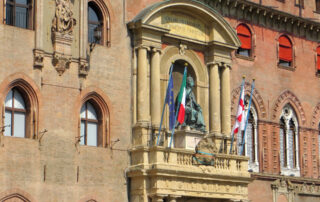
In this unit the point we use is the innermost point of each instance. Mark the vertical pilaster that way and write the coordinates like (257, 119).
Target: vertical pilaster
(214, 99)
(142, 83)
(155, 88)
(226, 101)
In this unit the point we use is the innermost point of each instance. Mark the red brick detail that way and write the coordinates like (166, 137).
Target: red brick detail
(256, 98)
(263, 146)
(315, 117)
(283, 99)
(201, 55)
(163, 46)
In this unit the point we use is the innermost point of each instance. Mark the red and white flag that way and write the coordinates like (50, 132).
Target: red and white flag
(240, 122)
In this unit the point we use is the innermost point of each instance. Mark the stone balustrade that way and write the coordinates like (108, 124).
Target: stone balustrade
(183, 160)
(160, 170)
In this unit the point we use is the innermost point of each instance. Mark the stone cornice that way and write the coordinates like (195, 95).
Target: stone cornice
(259, 14)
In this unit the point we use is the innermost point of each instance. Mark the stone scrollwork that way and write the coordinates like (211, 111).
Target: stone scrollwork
(61, 62)
(38, 57)
(62, 30)
(83, 68)
(63, 21)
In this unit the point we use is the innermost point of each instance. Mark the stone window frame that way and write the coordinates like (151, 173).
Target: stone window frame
(252, 55)
(31, 106)
(106, 21)
(31, 14)
(292, 66)
(289, 115)
(103, 115)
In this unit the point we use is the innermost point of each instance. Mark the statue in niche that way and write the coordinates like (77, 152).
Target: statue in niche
(63, 21)
(193, 112)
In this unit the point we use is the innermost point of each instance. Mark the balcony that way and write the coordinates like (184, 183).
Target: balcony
(161, 173)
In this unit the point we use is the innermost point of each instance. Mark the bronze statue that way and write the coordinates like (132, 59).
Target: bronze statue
(193, 111)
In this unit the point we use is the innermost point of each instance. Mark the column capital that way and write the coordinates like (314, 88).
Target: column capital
(220, 64)
(141, 46)
(173, 198)
(156, 50)
(158, 197)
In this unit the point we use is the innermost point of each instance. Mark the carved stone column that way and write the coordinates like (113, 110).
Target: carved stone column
(173, 198)
(157, 198)
(142, 83)
(226, 101)
(155, 87)
(214, 99)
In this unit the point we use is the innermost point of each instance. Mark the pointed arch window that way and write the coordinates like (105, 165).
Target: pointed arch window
(251, 137)
(285, 51)
(98, 16)
(15, 114)
(19, 13)
(289, 155)
(89, 125)
(245, 36)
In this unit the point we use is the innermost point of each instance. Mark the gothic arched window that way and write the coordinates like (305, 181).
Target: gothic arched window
(89, 125)
(15, 114)
(289, 155)
(250, 147)
(98, 16)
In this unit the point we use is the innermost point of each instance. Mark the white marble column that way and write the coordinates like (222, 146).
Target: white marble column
(225, 101)
(214, 99)
(142, 83)
(155, 88)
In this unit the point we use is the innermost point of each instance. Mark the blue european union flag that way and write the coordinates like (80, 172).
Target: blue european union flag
(170, 102)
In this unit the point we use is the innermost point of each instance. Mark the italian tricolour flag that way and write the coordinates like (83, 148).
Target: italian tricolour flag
(182, 98)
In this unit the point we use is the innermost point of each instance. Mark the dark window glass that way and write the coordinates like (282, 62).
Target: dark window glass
(18, 13)
(94, 20)
(318, 5)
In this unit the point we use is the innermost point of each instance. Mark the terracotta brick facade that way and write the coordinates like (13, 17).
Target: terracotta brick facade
(50, 165)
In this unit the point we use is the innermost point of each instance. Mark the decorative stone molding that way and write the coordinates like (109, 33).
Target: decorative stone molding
(284, 98)
(257, 99)
(266, 16)
(315, 116)
(61, 62)
(38, 56)
(63, 21)
(284, 187)
(182, 49)
(62, 29)
(83, 67)
(287, 188)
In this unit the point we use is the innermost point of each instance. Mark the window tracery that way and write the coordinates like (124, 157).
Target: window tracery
(289, 155)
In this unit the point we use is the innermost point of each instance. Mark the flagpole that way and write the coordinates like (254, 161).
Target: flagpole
(232, 132)
(178, 107)
(164, 104)
(248, 114)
